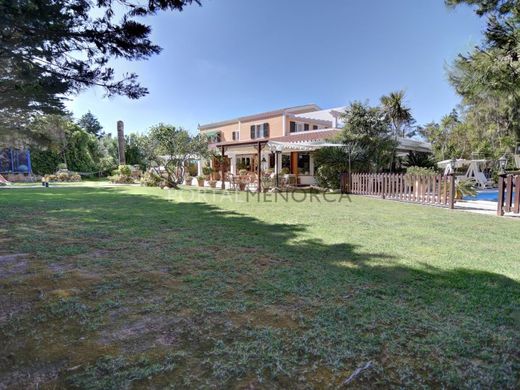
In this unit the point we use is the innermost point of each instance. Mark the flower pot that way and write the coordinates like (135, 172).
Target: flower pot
(213, 183)
(200, 182)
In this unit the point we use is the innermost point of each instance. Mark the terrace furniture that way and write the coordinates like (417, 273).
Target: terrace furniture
(252, 180)
(233, 181)
(290, 180)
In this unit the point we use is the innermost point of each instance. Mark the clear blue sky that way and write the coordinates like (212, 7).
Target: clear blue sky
(236, 57)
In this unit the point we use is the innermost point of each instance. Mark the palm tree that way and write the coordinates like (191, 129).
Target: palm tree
(399, 115)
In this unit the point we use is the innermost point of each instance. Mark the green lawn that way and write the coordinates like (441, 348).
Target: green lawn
(138, 287)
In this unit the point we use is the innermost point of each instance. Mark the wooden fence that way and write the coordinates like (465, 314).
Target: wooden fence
(508, 194)
(436, 190)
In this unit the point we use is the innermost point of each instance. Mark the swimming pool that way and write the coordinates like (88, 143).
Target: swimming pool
(489, 195)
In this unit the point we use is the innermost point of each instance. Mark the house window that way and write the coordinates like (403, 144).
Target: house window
(286, 161)
(260, 131)
(235, 135)
(296, 127)
(304, 163)
(314, 127)
(213, 137)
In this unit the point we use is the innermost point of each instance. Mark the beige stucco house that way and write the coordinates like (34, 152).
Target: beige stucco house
(283, 138)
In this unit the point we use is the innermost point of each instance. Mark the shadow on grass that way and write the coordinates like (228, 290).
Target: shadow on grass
(252, 300)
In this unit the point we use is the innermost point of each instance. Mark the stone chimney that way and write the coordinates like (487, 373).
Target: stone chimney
(121, 142)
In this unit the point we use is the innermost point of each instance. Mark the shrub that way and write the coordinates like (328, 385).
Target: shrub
(207, 170)
(62, 166)
(63, 176)
(123, 175)
(125, 170)
(151, 179)
(44, 161)
(327, 176)
(420, 171)
(121, 179)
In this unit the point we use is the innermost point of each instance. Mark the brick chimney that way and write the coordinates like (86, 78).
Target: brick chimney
(121, 142)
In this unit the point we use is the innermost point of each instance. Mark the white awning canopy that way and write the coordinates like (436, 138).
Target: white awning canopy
(460, 163)
(300, 146)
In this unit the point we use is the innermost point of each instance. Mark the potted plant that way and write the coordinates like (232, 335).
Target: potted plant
(267, 182)
(200, 181)
(207, 171)
(212, 183)
(242, 179)
(188, 180)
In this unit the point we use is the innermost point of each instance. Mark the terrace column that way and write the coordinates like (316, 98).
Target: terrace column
(259, 167)
(277, 154)
(233, 163)
(223, 183)
(199, 167)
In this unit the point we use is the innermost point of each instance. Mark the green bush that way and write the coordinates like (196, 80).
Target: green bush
(125, 170)
(44, 162)
(121, 179)
(207, 170)
(327, 176)
(63, 176)
(421, 171)
(151, 179)
(123, 175)
(62, 166)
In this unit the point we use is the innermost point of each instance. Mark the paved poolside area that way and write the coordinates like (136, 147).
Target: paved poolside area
(481, 207)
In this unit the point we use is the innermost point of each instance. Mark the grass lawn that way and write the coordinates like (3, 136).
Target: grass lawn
(140, 287)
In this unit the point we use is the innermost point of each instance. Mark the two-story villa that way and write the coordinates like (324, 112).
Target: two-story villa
(279, 139)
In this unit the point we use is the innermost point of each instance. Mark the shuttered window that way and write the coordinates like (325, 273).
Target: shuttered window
(306, 127)
(260, 131)
(292, 127)
(266, 130)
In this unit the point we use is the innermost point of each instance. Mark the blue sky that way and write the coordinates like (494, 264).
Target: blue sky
(236, 57)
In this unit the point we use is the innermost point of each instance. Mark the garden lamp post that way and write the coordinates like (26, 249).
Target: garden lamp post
(502, 162)
(264, 164)
(453, 163)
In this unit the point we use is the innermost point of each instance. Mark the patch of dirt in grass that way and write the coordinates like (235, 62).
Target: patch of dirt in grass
(13, 264)
(96, 254)
(266, 317)
(72, 279)
(64, 293)
(323, 377)
(60, 267)
(162, 278)
(145, 332)
(31, 378)
(11, 307)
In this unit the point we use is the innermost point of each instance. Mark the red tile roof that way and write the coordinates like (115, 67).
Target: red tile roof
(308, 136)
(303, 136)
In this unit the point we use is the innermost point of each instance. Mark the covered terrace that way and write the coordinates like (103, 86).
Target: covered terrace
(291, 152)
